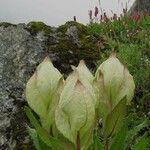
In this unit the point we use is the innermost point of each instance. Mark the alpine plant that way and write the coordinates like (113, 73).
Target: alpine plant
(68, 110)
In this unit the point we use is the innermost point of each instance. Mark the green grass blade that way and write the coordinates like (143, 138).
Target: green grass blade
(142, 144)
(136, 129)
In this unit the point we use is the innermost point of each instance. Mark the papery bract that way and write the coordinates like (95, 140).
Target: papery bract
(112, 82)
(76, 111)
(83, 71)
(86, 77)
(41, 90)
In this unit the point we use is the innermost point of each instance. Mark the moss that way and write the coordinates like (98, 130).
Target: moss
(67, 48)
(89, 49)
(35, 27)
(82, 28)
(24, 147)
(6, 24)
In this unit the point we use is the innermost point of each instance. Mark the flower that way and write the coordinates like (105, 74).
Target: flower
(96, 11)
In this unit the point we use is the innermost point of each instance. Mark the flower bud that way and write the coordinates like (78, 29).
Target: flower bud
(112, 83)
(41, 89)
(75, 113)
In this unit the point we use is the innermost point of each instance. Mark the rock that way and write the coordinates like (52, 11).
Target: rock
(22, 48)
(76, 43)
(140, 6)
(35, 27)
(72, 32)
(19, 55)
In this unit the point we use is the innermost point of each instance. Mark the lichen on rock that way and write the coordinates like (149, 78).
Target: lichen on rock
(6, 24)
(38, 26)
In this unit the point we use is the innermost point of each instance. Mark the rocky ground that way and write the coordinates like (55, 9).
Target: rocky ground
(22, 48)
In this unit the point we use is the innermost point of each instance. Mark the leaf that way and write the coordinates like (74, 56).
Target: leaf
(47, 139)
(41, 87)
(135, 130)
(34, 137)
(142, 144)
(38, 143)
(97, 144)
(43, 145)
(119, 140)
(40, 131)
(115, 119)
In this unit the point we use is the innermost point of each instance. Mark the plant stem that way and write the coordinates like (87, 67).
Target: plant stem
(106, 144)
(78, 142)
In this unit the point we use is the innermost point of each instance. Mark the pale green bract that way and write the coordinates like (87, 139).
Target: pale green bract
(68, 110)
(75, 112)
(87, 78)
(84, 72)
(112, 83)
(41, 91)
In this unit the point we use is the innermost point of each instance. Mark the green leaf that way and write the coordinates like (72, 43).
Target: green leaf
(135, 130)
(40, 131)
(38, 143)
(97, 144)
(115, 119)
(142, 144)
(34, 137)
(47, 139)
(43, 145)
(119, 140)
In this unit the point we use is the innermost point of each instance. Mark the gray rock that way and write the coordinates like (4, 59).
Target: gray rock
(72, 32)
(20, 52)
(140, 6)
